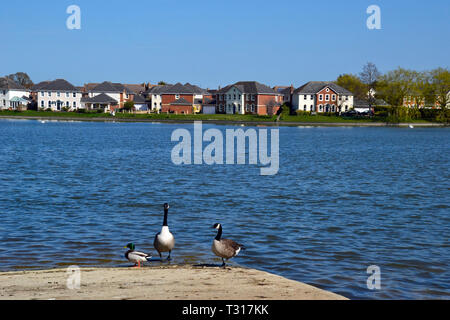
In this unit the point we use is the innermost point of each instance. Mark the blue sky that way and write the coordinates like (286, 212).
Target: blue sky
(211, 43)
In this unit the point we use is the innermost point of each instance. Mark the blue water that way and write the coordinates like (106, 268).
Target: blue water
(344, 199)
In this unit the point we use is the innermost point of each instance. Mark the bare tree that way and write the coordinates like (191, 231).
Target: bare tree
(21, 78)
(369, 76)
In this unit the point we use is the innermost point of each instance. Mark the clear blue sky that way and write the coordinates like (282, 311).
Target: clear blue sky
(211, 43)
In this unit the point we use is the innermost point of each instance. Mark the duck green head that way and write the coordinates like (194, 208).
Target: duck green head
(130, 246)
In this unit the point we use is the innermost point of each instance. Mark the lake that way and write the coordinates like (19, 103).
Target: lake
(345, 198)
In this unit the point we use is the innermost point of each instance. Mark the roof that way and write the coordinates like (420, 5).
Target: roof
(101, 98)
(136, 88)
(139, 99)
(56, 85)
(181, 101)
(252, 87)
(313, 87)
(39, 85)
(157, 89)
(111, 87)
(187, 88)
(8, 84)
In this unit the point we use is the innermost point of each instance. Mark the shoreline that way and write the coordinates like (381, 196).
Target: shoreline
(158, 283)
(231, 122)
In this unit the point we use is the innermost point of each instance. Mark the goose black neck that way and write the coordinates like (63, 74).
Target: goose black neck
(219, 234)
(166, 211)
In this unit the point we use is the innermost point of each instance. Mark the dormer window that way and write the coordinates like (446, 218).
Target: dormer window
(327, 90)
(177, 96)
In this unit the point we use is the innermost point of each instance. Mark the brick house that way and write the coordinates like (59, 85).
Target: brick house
(182, 99)
(248, 97)
(322, 97)
(106, 95)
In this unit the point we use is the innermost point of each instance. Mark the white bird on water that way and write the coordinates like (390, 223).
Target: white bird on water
(411, 126)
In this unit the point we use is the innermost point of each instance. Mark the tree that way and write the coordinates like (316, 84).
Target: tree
(440, 86)
(162, 83)
(21, 78)
(394, 86)
(353, 84)
(129, 105)
(369, 76)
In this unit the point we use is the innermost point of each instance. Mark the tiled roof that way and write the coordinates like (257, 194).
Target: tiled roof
(58, 85)
(111, 87)
(252, 87)
(313, 87)
(39, 85)
(181, 101)
(8, 84)
(187, 88)
(139, 99)
(136, 88)
(101, 98)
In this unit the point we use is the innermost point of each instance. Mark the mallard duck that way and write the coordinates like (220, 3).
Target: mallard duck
(164, 240)
(135, 256)
(225, 248)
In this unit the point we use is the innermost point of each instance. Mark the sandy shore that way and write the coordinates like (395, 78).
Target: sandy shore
(156, 283)
(229, 122)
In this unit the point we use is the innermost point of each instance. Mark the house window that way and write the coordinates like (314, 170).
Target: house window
(74, 104)
(67, 104)
(74, 94)
(306, 97)
(49, 104)
(67, 94)
(253, 97)
(320, 97)
(312, 97)
(42, 104)
(58, 94)
(304, 107)
(311, 107)
(253, 108)
(320, 107)
(177, 96)
(327, 97)
(49, 94)
(42, 93)
(327, 90)
(333, 97)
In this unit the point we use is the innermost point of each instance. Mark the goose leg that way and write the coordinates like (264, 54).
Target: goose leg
(168, 258)
(223, 263)
(160, 256)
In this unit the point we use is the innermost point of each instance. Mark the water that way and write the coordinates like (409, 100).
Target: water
(344, 199)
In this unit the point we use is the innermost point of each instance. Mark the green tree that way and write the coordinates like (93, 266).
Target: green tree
(162, 83)
(129, 106)
(353, 84)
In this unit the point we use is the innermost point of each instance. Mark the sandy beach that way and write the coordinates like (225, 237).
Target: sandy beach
(158, 283)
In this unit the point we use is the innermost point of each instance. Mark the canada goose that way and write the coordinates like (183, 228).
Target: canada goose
(164, 240)
(225, 248)
(136, 256)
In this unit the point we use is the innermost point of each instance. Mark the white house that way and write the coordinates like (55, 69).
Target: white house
(12, 94)
(322, 97)
(154, 95)
(57, 95)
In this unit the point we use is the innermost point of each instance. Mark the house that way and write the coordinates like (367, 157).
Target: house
(57, 95)
(248, 97)
(154, 98)
(12, 95)
(286, 92)
(209, 105)
(140, 103)
(112, 96)
(322, 96)
(182, 99)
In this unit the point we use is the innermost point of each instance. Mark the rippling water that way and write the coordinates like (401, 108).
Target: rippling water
(344, 199)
